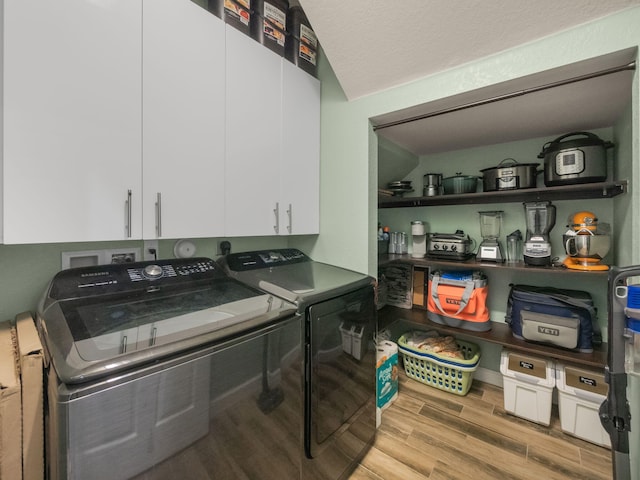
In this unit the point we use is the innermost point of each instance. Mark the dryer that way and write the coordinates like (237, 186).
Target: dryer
(340, 319)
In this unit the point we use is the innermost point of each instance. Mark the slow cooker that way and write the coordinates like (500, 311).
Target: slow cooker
(509, 175)
(569, 161)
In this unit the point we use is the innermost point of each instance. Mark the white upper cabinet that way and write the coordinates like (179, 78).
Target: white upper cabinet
(254, 137)
(183, 120)
(72, 120)
(300, 166)
(130, 119)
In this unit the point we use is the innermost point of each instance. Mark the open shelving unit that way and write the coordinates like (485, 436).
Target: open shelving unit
(566, 192)
(499, 334)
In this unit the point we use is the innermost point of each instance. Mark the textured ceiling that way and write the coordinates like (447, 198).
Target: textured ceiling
(373, 45)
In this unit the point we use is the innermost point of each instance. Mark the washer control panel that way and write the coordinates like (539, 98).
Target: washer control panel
(238, 262)
(116, 278)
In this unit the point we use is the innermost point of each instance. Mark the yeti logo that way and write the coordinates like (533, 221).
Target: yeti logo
(548, 331)
(453, 301)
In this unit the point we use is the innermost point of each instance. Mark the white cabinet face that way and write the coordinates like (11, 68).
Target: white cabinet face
(183, 120)
(253, 136)
(72, 120)
(300, 167)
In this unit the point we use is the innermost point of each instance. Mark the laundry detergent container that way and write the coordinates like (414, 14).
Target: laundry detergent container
(580, 393)
(528, 385)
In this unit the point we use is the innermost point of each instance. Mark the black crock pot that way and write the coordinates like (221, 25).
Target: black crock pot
(577, 160)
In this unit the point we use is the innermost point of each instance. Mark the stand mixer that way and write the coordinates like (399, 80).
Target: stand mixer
(540, 217)
(586, 242)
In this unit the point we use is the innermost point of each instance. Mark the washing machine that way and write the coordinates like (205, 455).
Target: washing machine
(169, 369)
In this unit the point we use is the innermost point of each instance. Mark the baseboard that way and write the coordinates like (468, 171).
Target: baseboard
(489, 376)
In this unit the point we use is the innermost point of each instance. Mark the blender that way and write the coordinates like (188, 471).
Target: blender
(490, 249)
(540, 218)
(586, 242)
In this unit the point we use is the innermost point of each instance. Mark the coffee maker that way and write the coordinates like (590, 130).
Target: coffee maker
(540, 218)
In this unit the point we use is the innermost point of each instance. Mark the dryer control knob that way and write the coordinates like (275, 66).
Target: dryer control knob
(153, 271)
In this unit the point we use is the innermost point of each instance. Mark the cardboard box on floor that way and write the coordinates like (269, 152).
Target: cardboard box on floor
(10, 406)
(31, 376)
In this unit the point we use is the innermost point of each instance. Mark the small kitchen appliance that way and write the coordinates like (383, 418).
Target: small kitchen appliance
(509, 175)
(432, 185)
(490, 249)
(569, 161)
(419, 235)
(451, 246)
(540, 218)
(586, 243)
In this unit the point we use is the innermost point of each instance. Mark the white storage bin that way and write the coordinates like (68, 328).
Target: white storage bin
(580, 393)
(528, 385)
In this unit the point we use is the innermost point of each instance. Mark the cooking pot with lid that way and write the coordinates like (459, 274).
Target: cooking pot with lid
(509, 175)
(568, 161)
(460, 184)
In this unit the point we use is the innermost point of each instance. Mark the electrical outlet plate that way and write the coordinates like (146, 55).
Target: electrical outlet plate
(223, 245)
(148, 247)
(87, 258)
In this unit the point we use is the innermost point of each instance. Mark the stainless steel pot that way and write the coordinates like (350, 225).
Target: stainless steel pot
(460, 184)
(587, 245)
(510, 175)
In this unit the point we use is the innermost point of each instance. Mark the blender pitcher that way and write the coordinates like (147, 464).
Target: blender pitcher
(490, 248)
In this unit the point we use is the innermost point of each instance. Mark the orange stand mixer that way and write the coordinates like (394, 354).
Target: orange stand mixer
(586, 243)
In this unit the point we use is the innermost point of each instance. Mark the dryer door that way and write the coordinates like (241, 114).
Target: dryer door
(340, 373)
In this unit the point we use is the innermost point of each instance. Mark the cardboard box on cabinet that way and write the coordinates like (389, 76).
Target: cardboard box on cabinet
(10, 406)
(31, 376)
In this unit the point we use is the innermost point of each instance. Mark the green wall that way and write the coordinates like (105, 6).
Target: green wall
(349, 152)
(25, 270)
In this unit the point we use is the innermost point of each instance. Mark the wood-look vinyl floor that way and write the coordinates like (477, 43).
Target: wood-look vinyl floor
(430, 434)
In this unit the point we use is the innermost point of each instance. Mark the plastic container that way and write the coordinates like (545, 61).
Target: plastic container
(269, 23)
(302, 44)
(445, 373)
(237, 13)
(580, 394)
(632, 311)
(528, 383)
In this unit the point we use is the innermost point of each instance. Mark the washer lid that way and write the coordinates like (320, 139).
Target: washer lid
(293, 276)
(128, 320)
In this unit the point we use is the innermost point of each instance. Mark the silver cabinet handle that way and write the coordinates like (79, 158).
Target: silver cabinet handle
(159, 215)
(289, 214)
(276, 212)
(127, 214)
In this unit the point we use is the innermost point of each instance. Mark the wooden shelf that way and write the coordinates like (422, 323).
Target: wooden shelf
(385, 259)
(499, 334)
(567, 192)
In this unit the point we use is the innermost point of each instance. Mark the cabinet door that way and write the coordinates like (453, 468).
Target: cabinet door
(300, 168)
(183, 120)
(253, 137)
(72, 120)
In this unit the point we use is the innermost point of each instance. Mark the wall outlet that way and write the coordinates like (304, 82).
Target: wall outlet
(224, 247)
(150, 250)
(86, 258)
